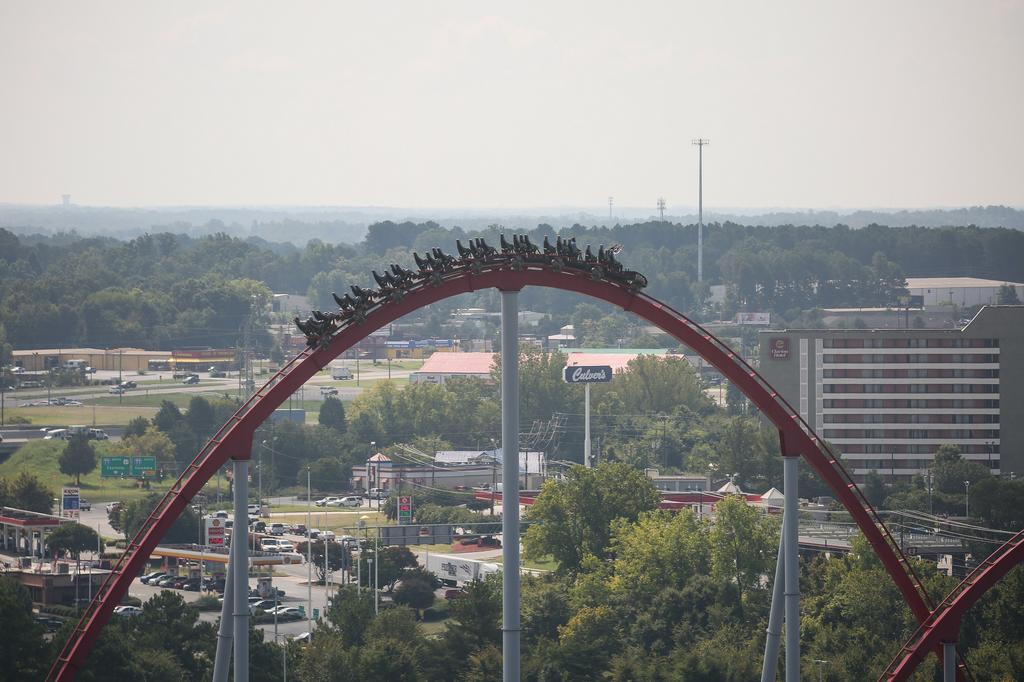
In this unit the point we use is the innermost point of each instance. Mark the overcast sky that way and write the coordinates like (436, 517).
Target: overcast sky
(484, 104)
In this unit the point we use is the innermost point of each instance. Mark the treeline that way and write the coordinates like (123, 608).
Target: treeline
(169, 290)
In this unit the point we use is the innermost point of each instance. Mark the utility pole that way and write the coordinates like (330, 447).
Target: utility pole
(661, 208)
(610, 201)
(700, 142)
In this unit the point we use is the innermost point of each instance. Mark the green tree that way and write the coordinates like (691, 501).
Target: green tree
(742, 544)
(73, 538)
(136, 427)
(332, 414)
(336, 557)
(79, 457)
(21, 643)
(135, 513)
(27, 492)
(476, 617)
(351, 613)
(201, 417)
(1007, 295)
(393, 562)
(660, 549)
(167, 417)
(951, 470)
(415, 589)
(327, 474)
(573, 516)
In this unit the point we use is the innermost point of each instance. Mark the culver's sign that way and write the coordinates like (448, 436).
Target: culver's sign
(587, 375)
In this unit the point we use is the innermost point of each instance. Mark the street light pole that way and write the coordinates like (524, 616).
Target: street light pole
(967, 499)
(309, 553)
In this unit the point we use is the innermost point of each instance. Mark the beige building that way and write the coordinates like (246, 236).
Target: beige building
(123, 359)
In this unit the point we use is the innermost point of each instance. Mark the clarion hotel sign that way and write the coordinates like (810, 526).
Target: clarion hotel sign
(779, 348)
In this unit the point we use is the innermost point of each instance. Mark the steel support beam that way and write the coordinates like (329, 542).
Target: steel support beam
(791, 540)
(949, 662)
(771, 644)
(224, 634)
(510, 626)
(239, 568)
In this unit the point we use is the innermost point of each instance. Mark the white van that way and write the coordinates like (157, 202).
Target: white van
(56, 434)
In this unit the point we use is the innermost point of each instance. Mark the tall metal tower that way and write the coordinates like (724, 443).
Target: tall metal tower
(610, 201)
(661, 208)
(700, 142)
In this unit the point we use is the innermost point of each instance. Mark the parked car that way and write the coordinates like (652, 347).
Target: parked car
(50, 623)
(325, 501)
(180, 583)
(378, 494)
(127, 610)
(165, 582)
(264, 604)
(326, 535)
(285, 547)
(259, 526)
(299, 529)
(192, 585)
(350, 501)
(155, 575)
(313, 533)
(276, 529)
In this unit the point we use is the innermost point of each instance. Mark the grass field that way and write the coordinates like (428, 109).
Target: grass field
(101, 415)
(40, 457)
(154, 400)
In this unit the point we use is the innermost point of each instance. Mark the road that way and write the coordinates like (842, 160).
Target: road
(151, 384)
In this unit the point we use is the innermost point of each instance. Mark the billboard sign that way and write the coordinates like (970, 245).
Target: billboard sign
(214, 531)
(778, 348)
(432, 534)
(70, 502)
(587, 374)
(404, 510)
(753, 318)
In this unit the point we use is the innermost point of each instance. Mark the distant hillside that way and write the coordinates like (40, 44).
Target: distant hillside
(348, 225)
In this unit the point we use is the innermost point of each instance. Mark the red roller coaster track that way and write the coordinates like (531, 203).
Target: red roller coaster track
(943, 625)
(234, 439)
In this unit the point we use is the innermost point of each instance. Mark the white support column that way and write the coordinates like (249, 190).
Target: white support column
(773, 640)
(791, 549)
(949, 662)
(221, 662)
(586, 427)
(239, 567)
(510, 626)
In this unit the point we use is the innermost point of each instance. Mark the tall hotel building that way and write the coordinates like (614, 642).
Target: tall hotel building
(887, 399)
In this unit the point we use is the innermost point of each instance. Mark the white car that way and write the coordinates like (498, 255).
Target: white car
(326, 502)
(350, 501)
(125, 610)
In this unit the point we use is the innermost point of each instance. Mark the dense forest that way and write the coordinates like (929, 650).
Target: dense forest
(169, 290)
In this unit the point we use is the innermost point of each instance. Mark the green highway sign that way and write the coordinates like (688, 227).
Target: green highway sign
(128, 467)
(115, 467)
